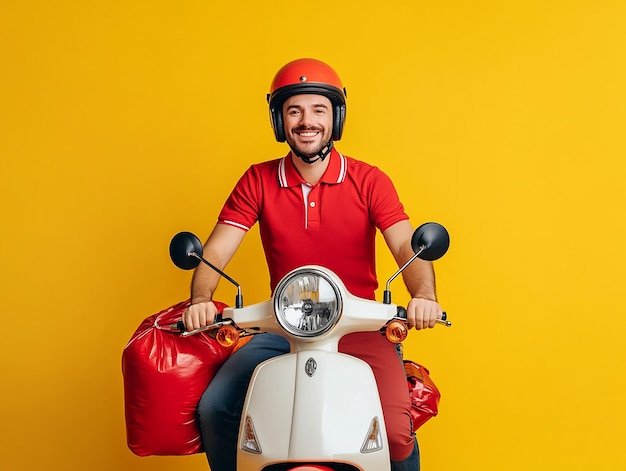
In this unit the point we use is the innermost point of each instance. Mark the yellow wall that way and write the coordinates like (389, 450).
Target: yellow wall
(124, 122)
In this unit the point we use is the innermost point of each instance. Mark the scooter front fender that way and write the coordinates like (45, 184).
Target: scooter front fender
(313, 406)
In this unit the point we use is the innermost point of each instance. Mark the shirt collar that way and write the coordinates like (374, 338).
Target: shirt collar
(335, 173)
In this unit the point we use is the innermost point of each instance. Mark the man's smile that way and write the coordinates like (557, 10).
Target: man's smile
(304, 133)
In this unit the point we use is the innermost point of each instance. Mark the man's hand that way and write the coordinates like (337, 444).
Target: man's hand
(199, 315)
(423, 313)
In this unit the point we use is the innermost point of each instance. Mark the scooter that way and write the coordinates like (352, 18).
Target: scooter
(326, 415)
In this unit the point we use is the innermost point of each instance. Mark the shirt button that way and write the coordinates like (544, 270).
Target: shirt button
(312, 204)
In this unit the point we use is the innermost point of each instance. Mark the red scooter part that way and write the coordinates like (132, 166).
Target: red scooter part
(311, 468)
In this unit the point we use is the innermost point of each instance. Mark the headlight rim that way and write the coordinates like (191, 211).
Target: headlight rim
(285, 282)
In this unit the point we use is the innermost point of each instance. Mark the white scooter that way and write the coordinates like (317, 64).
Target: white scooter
(314, 408)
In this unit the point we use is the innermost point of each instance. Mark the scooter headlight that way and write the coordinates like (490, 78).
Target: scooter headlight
(307, 303)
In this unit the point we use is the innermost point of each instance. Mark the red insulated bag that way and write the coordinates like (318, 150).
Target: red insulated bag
(164, 377)
(424, 393)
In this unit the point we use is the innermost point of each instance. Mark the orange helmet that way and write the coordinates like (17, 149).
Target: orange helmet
(306, 77)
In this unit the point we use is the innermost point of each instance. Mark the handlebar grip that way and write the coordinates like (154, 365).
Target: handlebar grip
(180, 325)
(401, 313)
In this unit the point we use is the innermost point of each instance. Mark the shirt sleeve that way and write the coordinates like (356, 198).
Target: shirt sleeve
(384, 203)
(241, 209)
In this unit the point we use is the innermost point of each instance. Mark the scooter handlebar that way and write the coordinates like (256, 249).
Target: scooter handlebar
(443, 321)
(180, 326)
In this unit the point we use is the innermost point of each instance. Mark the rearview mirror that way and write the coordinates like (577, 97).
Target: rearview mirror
(186, 250)
(430, 241)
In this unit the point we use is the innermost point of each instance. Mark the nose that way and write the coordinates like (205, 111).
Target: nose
(307, 118)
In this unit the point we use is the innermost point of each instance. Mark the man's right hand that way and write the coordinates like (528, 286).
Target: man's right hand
(199, 315)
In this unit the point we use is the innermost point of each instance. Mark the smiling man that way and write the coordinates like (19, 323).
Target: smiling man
(308, 121)
(314, 206)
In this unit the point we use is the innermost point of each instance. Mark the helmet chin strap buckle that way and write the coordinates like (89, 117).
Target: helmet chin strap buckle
(321, 155)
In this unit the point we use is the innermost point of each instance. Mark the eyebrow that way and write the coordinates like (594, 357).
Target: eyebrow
(315, 105)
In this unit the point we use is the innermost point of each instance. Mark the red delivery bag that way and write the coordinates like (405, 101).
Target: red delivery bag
(424, 393)
(165, 375)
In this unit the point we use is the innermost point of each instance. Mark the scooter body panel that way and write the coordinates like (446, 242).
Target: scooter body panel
(313, 406)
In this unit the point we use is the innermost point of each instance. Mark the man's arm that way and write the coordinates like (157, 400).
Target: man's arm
(419, 277)
(218, 250)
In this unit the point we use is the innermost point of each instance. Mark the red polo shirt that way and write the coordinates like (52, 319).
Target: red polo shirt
(332, 223)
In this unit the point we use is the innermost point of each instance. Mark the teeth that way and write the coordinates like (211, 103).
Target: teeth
(308, 134)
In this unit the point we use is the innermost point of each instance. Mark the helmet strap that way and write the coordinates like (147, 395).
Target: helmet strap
(321, 155)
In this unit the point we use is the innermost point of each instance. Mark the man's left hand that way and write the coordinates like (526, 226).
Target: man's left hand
(423, 313)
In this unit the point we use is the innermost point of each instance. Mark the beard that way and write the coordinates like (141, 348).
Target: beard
(308, 153)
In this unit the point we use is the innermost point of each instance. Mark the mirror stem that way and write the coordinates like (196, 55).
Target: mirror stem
(239, 297)
(387, 292)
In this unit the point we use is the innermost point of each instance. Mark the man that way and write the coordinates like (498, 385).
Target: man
(314, 206)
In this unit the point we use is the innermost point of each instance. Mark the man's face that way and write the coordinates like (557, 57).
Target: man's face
(308, 123)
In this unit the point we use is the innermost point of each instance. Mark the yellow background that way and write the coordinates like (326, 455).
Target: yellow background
(124, 122)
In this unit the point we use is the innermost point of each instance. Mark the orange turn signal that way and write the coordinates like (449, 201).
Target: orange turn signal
(396, 331)
(227, 336)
